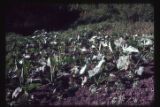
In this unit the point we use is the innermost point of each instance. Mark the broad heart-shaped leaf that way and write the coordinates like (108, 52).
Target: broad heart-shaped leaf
(119, 42)
(97, 68)
(129, 49)
(82, 71)
(139, 71)
(16, 92)
(123, 62)
(145, 42)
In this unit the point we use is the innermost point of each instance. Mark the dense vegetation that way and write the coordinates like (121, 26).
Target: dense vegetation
(114, 12)
(103, 56)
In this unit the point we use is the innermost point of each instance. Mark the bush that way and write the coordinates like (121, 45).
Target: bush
(113, 12)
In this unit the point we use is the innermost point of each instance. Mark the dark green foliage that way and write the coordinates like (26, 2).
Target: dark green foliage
(114, 12)
(30, 87)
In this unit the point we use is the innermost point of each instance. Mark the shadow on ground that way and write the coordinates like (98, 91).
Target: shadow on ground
(26, 18)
